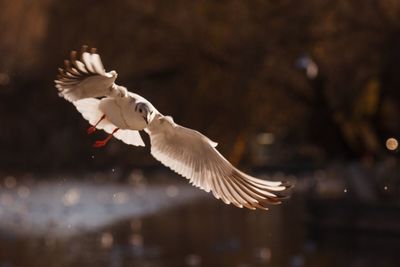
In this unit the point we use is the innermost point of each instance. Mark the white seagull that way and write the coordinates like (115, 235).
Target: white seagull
(112, 108)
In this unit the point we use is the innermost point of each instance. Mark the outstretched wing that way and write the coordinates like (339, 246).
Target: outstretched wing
(193, 155)
(84, 77)
(89, 108)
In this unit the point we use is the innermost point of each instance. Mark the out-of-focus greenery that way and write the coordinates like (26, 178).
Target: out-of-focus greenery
(227, 68)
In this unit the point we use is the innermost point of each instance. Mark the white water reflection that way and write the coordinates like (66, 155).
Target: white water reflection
(71, 197)
(71, 206)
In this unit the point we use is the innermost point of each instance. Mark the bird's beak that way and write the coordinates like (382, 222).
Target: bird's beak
(146, 118)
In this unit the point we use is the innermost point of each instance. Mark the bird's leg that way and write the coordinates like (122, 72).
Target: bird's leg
(92, 129)
(104, 142)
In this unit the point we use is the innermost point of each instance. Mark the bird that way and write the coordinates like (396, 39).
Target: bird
(84, 82)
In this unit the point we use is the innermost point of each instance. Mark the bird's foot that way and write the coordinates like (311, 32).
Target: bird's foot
(104, 142)
(91, 130)
(100, 143)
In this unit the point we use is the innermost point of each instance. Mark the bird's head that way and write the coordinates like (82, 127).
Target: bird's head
(146, 111)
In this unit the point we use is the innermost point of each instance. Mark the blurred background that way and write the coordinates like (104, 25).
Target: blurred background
(305, 91)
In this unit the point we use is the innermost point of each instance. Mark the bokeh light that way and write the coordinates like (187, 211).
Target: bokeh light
(4, 79)
(23, 192)
(136, 240)
(106, 240)
(265, 138)
(71, 197)
(172, 190)
(120, 198)
(392, 143)
(10, 182)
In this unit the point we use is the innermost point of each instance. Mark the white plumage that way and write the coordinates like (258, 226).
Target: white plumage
(120, 113)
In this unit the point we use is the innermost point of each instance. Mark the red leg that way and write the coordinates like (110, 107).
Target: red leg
(104, 142)
(92, 129)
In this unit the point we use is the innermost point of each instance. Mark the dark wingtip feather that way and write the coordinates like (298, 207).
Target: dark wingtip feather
(287, 184)
(73, 55)
(84, 49)
(67, 64)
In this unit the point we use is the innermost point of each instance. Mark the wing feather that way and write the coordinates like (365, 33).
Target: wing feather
(193, 155)
(97, 64)
(86, 59)
(84, 77)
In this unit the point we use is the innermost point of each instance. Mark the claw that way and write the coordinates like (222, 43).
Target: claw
(104, 142)
(99, 144)
(91, 130)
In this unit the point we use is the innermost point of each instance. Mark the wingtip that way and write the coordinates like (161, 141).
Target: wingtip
(287, 184)
(73, 54)
(84, 49)
(282, 196)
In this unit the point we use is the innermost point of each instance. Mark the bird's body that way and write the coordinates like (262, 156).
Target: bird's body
(122, 114)
(118, 110)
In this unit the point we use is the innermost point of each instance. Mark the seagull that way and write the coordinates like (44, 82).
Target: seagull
(84, 82)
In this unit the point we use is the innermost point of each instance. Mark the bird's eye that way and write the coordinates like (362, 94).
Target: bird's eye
(140, 110)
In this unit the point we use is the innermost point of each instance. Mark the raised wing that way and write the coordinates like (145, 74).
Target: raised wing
(193, 155)
(84, 77)
(89, 108)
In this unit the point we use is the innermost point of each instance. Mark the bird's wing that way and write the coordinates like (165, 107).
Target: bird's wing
(89, 108)
(193, 155)
(83, 76)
